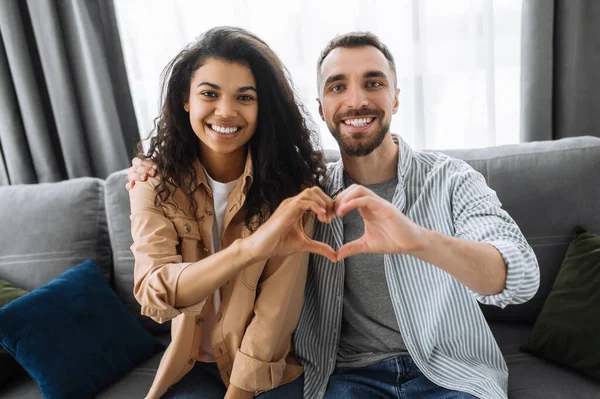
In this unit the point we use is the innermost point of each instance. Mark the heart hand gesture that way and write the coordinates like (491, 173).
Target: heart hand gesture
(387, 230)
(283, 233)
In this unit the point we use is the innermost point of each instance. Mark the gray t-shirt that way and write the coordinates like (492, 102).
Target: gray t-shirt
(370, 331)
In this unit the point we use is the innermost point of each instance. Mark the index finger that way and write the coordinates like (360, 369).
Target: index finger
(317, 194)
(353, 192)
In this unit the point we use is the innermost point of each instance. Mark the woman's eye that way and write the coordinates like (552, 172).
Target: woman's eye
(246, 98)
(211, 94)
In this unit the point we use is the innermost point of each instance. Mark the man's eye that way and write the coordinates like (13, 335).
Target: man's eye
(373, 85)
(337, 88)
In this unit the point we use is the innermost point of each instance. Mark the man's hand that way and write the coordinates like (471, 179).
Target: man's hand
(283, 233)
(234, 392)
(139, 171)
(387, 230)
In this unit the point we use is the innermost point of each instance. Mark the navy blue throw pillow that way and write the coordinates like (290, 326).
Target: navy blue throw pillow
(73, 335)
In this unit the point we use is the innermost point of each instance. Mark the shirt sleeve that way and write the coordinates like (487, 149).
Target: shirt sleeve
(478, 216)
(158, 265)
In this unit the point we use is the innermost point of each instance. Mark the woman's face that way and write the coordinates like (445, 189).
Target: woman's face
(223, 106)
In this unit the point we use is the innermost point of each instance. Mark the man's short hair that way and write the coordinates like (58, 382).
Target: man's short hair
(353, 40)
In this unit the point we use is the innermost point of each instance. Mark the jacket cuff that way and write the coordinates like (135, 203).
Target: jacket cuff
(157, 306)
(253, 375)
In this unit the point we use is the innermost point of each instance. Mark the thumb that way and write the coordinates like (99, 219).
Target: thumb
(320, 248)
(352, 248)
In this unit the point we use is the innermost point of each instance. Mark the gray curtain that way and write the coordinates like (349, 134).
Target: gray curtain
(560, 74)
(65, 105)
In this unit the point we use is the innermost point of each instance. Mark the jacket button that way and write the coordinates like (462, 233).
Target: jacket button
(186, 228)
(208, 212)
(191, 361)
(205, 250)
(199, 321)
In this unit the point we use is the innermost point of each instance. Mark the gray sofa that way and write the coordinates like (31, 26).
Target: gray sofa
(548, 188)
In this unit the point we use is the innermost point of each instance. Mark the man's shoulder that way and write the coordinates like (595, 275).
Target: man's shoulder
(434, 162)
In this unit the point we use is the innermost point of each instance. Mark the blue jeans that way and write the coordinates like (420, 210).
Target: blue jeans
(204, 381)
(397, 378)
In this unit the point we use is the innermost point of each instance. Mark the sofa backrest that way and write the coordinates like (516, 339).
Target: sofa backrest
(547, 187)
(45, 229)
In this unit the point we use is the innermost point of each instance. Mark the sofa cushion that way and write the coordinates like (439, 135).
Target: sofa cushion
(47, 228)
(136, 384)
(566, 331)
(119, 225)
(8, 366)
(534, 378)
(73, 335)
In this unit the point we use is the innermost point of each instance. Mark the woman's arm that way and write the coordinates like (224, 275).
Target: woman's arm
(164, 285)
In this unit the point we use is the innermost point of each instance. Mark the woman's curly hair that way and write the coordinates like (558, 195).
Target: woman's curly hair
(285, 148)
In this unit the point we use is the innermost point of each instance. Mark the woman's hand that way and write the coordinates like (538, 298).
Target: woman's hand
(283, 233)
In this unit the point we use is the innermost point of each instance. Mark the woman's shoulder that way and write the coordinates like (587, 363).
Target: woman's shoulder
(157, 192)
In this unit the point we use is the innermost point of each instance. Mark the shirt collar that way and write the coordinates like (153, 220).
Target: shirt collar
(336, 170)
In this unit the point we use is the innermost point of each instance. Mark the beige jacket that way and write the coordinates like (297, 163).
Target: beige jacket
(260, 306)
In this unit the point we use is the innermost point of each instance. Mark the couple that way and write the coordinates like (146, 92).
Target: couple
(232, 196)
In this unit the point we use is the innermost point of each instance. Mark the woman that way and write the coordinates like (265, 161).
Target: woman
(233, 149)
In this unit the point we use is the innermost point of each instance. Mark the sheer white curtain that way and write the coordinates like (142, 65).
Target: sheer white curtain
(458, 61)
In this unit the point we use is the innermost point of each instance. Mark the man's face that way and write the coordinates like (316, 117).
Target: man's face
(357, 98)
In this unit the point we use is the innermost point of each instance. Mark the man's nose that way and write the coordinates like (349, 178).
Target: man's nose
(356, 98)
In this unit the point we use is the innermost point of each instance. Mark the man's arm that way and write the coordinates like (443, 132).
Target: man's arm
(477, 265)
(140, 170)
(478, 217)
(489, 255)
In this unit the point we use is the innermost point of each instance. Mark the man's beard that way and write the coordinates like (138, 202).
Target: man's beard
(359, 148)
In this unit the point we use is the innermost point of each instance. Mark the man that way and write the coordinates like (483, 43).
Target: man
(420, 239)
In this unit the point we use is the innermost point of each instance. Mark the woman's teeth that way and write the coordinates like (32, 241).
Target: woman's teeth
(224, 130)
(358, 122)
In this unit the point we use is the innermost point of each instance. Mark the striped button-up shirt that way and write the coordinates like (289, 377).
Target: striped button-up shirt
(442, 325)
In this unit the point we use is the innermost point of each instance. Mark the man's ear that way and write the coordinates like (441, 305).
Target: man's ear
(396, 101)
(320, 109)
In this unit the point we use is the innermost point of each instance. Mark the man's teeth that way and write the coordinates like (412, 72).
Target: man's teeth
(224, 130)
(358, 122)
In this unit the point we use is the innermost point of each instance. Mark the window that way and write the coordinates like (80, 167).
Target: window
(458, 62)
